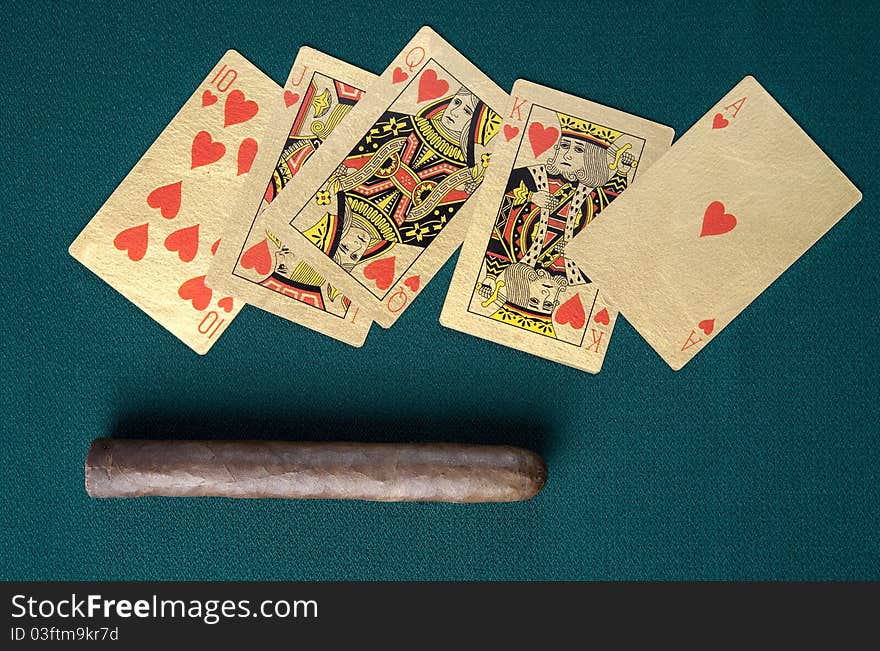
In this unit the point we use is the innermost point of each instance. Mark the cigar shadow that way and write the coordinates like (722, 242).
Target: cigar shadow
(220, 426)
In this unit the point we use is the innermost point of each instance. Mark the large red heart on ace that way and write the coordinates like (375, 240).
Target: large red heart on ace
(716, 221)
(541, 138)
(430, 87)
(238, 109)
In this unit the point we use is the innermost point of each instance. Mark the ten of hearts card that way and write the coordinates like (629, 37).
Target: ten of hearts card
(561, 161)
(154, 238)
(388, 197)
(741, 196)
(254, 262)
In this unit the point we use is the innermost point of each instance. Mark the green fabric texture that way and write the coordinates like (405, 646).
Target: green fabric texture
(760, 460)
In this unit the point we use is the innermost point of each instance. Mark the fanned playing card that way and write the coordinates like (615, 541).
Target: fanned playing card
(560, 162)
(254, 262)
(741, 196)
(387, 199)
(154, 238)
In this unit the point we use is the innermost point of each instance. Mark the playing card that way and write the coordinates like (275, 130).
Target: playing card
(386, 200)
(560, 162)
(737, 199)
(154, 237)
(254, 263)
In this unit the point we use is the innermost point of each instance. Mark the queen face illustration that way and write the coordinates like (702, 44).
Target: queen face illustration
(352, 245)
(458, 115)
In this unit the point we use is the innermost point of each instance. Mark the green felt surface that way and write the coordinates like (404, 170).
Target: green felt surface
(761, 459)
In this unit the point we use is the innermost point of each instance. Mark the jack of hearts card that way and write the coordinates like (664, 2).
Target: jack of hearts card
(154, 238)
(387, 199)
(561, 162)
(254, 263)
(739, 197)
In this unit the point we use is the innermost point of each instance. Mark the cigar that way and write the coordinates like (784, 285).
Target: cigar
(385, 472)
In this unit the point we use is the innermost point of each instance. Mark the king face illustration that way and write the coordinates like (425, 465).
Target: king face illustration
(405, 179)
(543, 207)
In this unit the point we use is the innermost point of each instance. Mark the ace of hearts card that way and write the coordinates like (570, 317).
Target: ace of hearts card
(388, 198)
(561, 162)
(154, 238)
(741, 196)
(253, 262)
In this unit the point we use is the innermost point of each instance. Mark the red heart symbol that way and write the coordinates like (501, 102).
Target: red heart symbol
(510, 132)
(247, 151)
(185, 242)
(541, 137)
(258, 258)
(381, 271)
(602, 317)
(214, 247)
(413, 282)
(205, 151)
(290, 98)
(707, 326)
(238, 109)
(719, 121)
(197, 291)
(133, 241)
(167, 199)
(430, 87)
(398, 75)
(716, 221)
(572, 312)
(225, 303)
(208, 98)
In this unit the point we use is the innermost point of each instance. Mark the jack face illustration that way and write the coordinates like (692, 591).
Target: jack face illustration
(325, 104)
(354, 243)
(525, 270)
(405, 179)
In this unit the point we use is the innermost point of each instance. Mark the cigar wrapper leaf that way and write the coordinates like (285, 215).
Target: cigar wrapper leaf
(386, 472)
